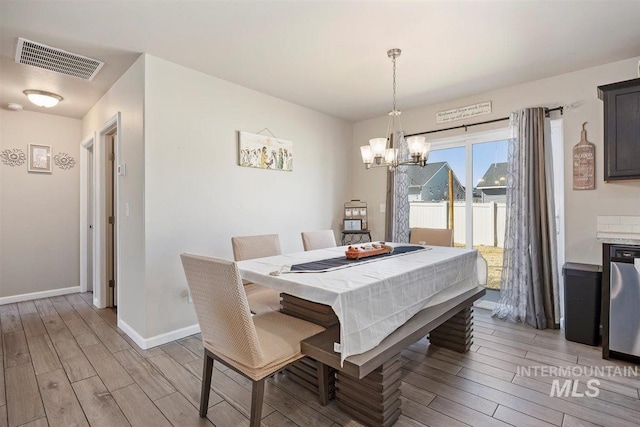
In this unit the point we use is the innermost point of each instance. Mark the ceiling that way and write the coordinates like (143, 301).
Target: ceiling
(329, 56)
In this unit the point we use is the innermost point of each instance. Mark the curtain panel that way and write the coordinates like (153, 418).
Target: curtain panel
(529, 284)
(397, 209)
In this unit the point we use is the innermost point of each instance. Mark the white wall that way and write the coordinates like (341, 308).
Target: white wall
(197, 197)
(127, 97)
(39, 219)
(581, 207)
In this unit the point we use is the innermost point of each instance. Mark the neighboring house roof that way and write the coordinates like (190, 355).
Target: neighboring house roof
(494, 177)
(420, 176)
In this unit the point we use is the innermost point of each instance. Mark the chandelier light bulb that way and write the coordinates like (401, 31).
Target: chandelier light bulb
(378, 146)
(367, 154)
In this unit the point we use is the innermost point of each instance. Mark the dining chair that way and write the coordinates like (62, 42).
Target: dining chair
(432, 236)
(254, 346)
(318, 239)
(261, 298)
(482, 268)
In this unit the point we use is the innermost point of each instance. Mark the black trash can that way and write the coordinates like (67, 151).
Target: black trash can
(582, 295)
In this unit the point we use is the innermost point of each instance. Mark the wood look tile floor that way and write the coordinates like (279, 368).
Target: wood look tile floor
(65, 363)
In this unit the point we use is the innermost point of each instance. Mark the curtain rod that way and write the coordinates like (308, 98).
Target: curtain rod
(546, 110)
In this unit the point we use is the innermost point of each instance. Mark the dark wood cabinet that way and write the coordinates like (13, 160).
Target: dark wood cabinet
(621, 129)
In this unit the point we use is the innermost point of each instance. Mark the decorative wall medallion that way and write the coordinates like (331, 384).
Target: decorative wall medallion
(13, 157)
(64, 161)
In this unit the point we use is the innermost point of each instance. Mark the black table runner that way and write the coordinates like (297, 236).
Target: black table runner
(326, 264)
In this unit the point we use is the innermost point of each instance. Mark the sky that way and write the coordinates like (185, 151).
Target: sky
(483, 156)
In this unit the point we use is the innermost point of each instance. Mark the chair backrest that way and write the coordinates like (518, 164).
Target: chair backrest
(432, 236)
(222, 308)
(483, 270)
(250, 247)
(318, 239)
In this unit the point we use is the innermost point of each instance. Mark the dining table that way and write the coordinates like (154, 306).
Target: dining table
(372, 307)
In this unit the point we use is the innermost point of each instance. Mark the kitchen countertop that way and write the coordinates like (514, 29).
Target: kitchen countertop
(618, 238)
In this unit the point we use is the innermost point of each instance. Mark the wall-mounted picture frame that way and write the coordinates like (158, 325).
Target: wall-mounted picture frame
(352, 225)
(264, 152)
(39, 158)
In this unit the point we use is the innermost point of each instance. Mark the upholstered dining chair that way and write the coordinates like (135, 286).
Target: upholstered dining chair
(255, 347)
(261, 299)
(318, 239)
(432, 236)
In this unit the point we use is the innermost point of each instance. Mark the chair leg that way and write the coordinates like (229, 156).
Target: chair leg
(323, 383)
(207, 371)
(257, 395)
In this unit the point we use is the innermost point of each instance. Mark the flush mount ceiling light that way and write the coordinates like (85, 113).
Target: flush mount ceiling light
(42, 98)
(394, 150)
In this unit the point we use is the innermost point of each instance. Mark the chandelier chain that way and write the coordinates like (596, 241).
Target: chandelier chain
(394, 83)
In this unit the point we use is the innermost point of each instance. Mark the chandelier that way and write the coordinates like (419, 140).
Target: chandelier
(394, 150)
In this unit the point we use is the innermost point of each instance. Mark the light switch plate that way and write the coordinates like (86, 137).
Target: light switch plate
(383, 207)
(639, 68)
(122, 169)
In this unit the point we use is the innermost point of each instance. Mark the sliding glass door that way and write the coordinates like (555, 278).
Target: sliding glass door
(478, 181)
(479, 178)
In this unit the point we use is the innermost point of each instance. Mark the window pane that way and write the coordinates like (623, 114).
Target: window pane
(489, 204)
(429, 191)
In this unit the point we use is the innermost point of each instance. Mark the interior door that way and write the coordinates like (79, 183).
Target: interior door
(112, 296)
(90, 219)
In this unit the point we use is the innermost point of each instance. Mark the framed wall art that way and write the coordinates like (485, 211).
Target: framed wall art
(39, 158)
(264, 152)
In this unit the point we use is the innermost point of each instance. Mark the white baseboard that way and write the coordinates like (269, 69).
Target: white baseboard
(147, 343)
(38, 295)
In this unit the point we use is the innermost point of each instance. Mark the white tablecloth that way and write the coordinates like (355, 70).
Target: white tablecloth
(373, 299)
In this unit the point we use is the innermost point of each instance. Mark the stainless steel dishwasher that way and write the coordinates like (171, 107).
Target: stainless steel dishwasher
(624, 313)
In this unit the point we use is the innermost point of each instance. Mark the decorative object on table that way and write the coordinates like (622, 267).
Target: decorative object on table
(64, 161)
(264, 151)
(584, 156)
(393, 150)
(39, 158)
(357, 252)
(13, 157)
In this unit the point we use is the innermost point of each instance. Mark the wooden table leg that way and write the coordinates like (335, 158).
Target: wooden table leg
(375, 399)
(456, 333)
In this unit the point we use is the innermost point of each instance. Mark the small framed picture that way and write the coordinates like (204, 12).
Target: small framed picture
(347, 212)
(352, 225)
(39, 158)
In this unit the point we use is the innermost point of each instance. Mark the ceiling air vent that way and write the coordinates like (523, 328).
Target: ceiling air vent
(57, 60)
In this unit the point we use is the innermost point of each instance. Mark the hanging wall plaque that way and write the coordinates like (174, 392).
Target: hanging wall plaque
(584, 157)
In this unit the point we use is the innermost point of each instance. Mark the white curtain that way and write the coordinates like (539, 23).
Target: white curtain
(529, 284)
(397, 209)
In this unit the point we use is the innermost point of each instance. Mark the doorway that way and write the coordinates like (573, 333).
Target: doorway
(99, 231)
(110, 215)
(86, 215)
